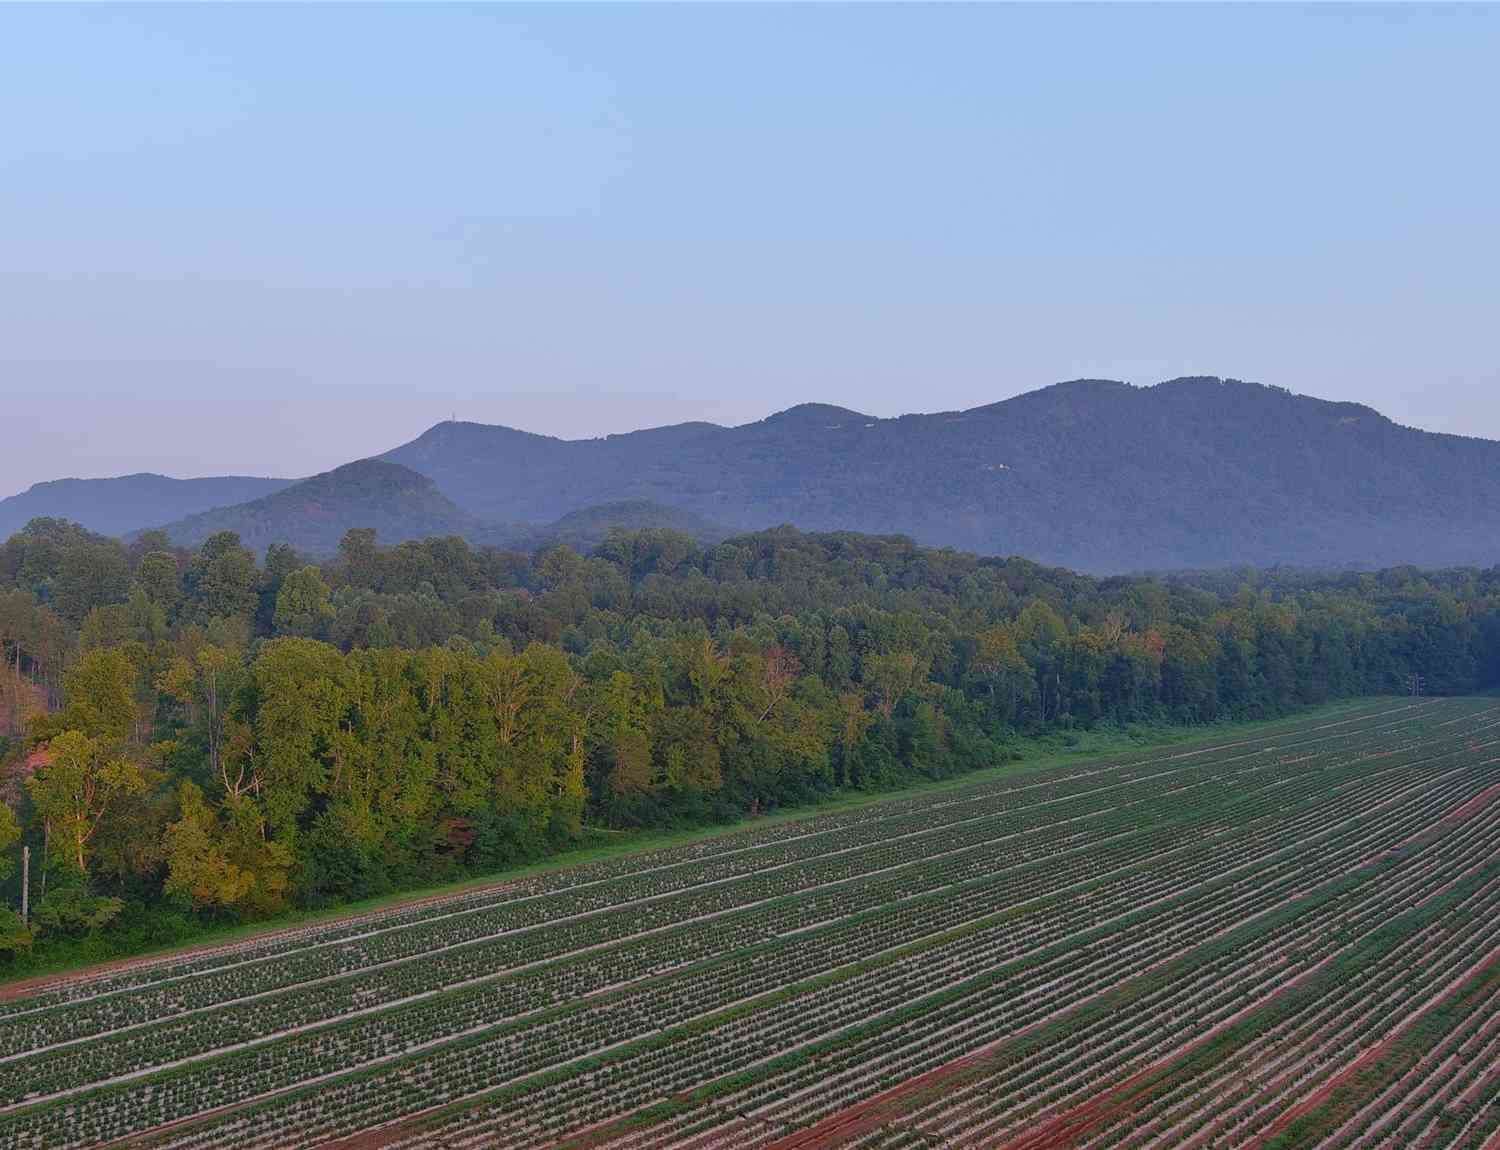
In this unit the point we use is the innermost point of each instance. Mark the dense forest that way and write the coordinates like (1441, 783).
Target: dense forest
(202, 737)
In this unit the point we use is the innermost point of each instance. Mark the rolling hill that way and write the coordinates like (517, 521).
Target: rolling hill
(128, 502)
(401, 504)
(313, 514)
(585, 529)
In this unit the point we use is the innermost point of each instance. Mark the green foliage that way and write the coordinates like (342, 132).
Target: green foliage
(71, 912)
(228, 741)
(10, 834)
(82, 779)
(312, 514)
(65, 566)
(302, 605)
(223, 577)
(101, 694)
(223, 860)
(16, 936)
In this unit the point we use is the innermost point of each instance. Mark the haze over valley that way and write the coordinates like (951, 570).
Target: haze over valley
(1093, 475)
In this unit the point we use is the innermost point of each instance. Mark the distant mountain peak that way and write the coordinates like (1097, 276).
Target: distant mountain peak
(817, 414)
(125, 503)
(133, 477)
(369, 470)
(1097, 475)
(312, 515)
(1201, 382)
(1086, 384)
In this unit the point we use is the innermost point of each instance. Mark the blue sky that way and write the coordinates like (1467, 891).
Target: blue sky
(271, 239)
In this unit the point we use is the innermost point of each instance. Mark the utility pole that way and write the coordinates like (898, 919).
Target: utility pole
(25, 882)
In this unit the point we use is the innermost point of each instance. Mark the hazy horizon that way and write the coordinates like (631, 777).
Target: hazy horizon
(417, 432)
(269, 240)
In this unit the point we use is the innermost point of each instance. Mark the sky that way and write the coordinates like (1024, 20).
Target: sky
(271, 239)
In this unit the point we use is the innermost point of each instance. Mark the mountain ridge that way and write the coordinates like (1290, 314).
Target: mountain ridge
(1100, 476)
(313, 514)
(120, 504)
(401, 504)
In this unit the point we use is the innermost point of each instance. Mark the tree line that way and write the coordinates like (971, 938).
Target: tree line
(202, 737)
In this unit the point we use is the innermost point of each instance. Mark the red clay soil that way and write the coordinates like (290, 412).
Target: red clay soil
(17, 774)
(1318, 1097)
(1466, 810)
(612, 1128)
(1067, 1128)
(1471, 808)
(867, 1116)
(1063, 1129)
(872, 1113)
(376, 1138)
(1071, 1126)
(1324, 1092)
(1060, 1130)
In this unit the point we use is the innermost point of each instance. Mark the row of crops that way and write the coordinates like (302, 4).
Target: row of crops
(1290, 939)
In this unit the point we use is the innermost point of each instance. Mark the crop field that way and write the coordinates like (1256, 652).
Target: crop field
(1289, 939)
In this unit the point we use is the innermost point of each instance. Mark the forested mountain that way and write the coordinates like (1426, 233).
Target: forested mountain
(586, 529)
(1094, 475)
(399, 504)
(128, 503)
(313, 514)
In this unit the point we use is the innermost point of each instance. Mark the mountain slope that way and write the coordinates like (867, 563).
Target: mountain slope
(128, 502)
(313, 515)
(1096, 475)
(585, 529)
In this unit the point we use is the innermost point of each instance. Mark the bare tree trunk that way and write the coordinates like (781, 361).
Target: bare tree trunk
(15, 702)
